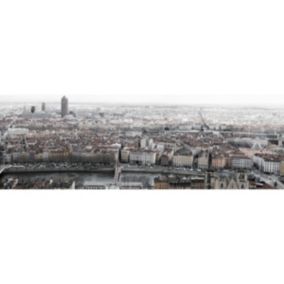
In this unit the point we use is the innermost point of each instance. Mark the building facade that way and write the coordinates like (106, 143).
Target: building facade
(203, 161)
(124, 155)
(142, 157)
(241, 162)
(267, 163)
(282, 168)
(219, 162)
(182, 160)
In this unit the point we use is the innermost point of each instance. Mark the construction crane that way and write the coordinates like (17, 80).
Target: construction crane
(204, 125)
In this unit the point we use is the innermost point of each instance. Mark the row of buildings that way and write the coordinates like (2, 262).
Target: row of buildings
(100, 157)
(24, 145)
(213, 158)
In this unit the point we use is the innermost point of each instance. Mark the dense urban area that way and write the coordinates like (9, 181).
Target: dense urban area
(65, 145)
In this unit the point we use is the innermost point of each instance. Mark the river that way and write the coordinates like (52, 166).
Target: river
(70, 180)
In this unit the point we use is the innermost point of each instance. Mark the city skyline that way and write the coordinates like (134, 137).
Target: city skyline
(276, 100)
(140, 147)
(226, 61)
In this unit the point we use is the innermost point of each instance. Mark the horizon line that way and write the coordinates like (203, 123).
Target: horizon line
(146, 103)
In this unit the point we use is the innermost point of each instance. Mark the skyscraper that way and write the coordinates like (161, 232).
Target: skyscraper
(43, 107)
(64, 106)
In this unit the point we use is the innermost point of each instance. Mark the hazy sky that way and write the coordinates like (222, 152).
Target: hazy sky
(143, 51)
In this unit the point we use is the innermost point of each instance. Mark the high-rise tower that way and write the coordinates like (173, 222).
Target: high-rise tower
(42, 106)
(64, 106)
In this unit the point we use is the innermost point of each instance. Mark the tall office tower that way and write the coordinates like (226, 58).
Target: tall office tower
(42, 106)
(64, 106)
(33, 109)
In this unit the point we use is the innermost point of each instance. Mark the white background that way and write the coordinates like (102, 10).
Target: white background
(143, 51)
(192, 51)
(141, 237)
